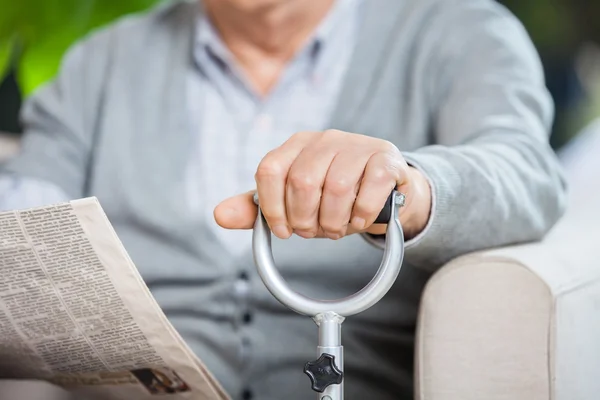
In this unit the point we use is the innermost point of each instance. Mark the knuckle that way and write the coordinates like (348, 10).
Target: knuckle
(296, 137)
(383, 174)
(269, 167)
(339, 186)
(303, 181)
(333, 133)
(300, 138)
(389, 147)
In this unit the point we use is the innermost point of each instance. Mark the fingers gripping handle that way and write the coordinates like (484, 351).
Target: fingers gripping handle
(394, 199)
(380, 284)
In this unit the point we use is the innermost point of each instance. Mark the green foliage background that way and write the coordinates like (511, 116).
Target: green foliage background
(34, 34)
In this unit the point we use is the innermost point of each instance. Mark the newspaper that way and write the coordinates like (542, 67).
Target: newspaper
(75, 312)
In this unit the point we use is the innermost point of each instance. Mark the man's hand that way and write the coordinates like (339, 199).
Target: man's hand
(330, 184)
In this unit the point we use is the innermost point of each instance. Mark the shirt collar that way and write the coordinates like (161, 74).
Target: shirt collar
(326, 29)
(208, 38)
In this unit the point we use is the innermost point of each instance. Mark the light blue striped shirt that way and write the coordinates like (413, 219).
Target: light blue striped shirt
(234, 127)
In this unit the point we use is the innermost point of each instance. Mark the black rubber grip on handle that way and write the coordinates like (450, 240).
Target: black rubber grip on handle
(385, 214)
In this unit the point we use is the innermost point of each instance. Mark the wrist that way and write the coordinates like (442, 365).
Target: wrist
(417, 211)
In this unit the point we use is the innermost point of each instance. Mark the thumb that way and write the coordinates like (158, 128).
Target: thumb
(238, 212)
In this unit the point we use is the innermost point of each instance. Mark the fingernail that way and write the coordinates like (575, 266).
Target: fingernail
(358, 223)
(281, 231)
(332, 236)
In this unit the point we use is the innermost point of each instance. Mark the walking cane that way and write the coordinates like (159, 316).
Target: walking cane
(327, 372)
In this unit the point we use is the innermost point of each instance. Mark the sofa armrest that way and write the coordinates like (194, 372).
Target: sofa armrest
(518, 323)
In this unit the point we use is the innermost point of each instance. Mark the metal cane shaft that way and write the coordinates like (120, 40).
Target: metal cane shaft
(330, 342)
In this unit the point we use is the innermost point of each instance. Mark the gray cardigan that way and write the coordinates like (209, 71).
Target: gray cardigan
(455, 84)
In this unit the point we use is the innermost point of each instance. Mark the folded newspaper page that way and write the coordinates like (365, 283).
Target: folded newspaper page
(75, 312)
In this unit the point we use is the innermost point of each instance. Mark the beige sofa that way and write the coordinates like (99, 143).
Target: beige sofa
(523, 322)
(519, 323)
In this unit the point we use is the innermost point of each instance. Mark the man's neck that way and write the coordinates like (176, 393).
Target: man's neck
(264, 40)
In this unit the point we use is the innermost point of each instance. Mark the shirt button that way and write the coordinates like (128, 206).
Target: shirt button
(247, 394)
(247, 318)
(241, 286)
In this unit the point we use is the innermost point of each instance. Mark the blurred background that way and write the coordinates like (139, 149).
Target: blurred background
(34, 34)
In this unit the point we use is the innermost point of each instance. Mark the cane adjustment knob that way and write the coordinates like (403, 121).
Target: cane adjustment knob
(323, 372)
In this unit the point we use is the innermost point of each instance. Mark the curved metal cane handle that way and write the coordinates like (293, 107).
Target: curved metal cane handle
(373, 292)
